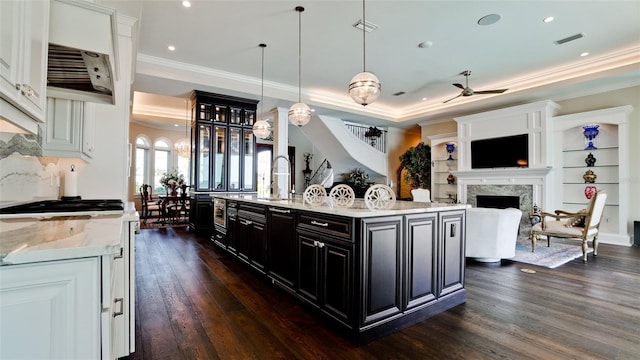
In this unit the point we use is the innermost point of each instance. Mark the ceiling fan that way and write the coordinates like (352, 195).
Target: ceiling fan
(467, 91)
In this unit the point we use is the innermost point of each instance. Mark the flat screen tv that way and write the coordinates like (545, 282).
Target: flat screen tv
(501, 152)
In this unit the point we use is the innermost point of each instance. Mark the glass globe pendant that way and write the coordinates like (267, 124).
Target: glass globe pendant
(261, 128)
(299, 113)
(365, 88)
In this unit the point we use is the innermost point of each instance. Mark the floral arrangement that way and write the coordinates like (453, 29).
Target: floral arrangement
(358, 177)
(172, 177)
(307, 159)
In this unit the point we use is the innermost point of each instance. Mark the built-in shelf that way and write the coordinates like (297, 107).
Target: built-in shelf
(588, 167)
(600, 148)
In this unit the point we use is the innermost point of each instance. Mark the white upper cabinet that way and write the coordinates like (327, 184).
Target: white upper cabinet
(24, 37)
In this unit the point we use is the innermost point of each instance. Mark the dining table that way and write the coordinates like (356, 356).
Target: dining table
(171, 206)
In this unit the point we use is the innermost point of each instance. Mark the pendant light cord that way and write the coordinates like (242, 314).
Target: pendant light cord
(262, 82)
(300, 9)
(364, 38)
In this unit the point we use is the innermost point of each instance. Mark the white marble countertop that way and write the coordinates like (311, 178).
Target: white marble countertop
(358, 210)
(46, 237)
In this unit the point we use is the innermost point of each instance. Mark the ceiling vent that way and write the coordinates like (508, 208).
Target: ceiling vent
(399, 93)
(368, 26)
(570, 38)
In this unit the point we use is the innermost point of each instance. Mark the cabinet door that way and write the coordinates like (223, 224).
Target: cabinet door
(235, 142)
(308, 268)
(381, 257)
(10, 32)
(61, 135)
(51, 310)
(220, 159)
(452, 247)
(256, 245)
(420, 248)
(232, 232)
(89, 130)
(337, 280)
(34, 59)
(244, 231)
(203, 159)
(248, 161)
(282, 246)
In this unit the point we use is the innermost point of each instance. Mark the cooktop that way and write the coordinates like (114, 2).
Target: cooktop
(74, 205)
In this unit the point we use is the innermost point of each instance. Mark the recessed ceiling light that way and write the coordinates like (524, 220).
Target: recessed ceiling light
(367, 26)
(584, 54)
(175, 125)
(171, 48)
(186, 3)
(425, 44)
(424, 99)
(489, 19)
(548, 19)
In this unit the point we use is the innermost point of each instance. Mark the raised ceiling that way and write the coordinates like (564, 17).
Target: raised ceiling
(216, 49)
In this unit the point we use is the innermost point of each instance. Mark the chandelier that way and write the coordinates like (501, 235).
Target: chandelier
(299, 113)
(182, 146)
(365, 86)
(261, 128)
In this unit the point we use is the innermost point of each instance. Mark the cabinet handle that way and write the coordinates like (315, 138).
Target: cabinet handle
(313, 222)
(246, 222)
(320, 245)
(281, 211)
(121, 301)
(452, 231)
(119, 256)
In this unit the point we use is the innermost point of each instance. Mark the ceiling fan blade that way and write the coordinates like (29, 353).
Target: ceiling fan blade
(458, 86)
(444, 102)
(498, 91)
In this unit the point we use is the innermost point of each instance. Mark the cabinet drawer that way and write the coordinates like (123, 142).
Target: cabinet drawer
(337, 226)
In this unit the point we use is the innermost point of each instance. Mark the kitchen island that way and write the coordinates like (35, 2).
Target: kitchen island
(65, 289)
(371, 271)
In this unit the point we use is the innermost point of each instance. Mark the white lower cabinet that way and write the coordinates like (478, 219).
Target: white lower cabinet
(51, 310)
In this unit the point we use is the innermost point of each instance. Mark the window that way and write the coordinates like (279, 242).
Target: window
(153, 159)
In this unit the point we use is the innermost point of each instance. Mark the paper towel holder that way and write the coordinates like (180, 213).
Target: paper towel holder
(70, 198)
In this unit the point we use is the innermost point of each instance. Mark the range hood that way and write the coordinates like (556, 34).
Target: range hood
(83, 43)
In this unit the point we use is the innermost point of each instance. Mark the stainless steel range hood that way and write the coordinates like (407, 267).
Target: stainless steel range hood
(83, 44)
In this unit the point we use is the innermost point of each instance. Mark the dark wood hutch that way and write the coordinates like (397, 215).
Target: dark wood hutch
(223, 151)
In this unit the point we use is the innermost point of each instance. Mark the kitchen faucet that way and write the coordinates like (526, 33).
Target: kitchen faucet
(273, 167)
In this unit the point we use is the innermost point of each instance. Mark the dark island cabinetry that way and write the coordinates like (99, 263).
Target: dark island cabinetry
(372, 275)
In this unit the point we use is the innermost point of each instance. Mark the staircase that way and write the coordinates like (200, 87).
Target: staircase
(344, 150)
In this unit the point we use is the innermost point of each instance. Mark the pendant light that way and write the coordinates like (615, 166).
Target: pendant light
(182, 146)
(262, 128)
(299, 113)
(365, 86)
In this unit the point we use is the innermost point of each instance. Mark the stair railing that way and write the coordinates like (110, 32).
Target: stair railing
(378, 142)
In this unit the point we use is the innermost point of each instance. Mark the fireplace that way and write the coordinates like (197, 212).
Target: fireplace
(498, 201)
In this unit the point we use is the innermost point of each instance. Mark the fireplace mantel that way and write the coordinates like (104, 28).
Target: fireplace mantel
(511, 175)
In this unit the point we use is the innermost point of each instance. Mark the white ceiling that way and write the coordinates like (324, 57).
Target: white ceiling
(217, 50)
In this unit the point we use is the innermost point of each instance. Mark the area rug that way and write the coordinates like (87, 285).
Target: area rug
(560, 252)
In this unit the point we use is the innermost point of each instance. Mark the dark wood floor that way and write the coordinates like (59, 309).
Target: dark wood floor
(194, 302)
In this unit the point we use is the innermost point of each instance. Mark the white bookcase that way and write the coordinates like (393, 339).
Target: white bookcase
(441, 189)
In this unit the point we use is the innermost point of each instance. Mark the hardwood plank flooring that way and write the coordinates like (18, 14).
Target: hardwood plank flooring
(195, 302)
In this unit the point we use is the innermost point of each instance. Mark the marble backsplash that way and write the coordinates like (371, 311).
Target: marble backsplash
(524, 192)
(25, 175)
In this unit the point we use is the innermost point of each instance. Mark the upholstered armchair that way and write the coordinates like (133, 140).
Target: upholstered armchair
(492, 233)
(582, 225)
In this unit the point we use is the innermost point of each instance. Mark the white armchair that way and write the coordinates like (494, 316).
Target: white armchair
(492, 233)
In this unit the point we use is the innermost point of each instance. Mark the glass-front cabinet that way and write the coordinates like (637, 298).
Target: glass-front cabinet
(223, 156)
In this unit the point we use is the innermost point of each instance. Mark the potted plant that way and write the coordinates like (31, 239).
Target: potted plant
(417, 161)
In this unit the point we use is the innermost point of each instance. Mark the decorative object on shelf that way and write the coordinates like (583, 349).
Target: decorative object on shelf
(451, 147)
(535, 215)
(365, 86)
(589, 177)
(452, 196)
(589, 191)
(417, 160)
(299, 113)
(261, 128)
(379, 197)
(307, 170)
(373, 133)
(590, 160)
(451, 179)
(314, 195)
(590, 132)
(342, 195)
